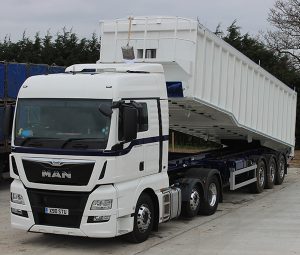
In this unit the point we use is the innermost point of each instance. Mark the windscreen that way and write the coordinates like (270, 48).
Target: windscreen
(62, 123)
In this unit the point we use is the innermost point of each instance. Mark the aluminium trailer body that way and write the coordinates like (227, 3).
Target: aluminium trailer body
(215, 92)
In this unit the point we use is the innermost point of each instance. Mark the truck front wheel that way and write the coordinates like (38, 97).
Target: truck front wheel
(210, 204)
(143, 220)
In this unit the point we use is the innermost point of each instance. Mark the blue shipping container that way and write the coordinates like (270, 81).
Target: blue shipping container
(37, 70)
(13, 75)
(56, 69)
(16, 75)
(1, 126)
(2, 81)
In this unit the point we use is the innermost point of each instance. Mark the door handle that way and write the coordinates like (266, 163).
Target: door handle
(142, 166)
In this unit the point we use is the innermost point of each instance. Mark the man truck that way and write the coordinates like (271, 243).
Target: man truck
(90, 151)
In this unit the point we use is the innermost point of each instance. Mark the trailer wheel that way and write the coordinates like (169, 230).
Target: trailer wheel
(189, 209)
(280, 174)
(143, 220)
(271, 173)
(210, 204)
(261, 176)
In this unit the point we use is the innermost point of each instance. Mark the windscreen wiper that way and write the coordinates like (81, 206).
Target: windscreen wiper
(27, 139)
(67, 141)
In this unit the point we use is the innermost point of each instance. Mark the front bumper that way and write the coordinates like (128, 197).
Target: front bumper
(38, 221)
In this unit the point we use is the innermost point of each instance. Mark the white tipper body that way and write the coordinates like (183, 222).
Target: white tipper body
(225, 94)
(122, 182)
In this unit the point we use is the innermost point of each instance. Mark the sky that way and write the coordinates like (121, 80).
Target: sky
(83, 16)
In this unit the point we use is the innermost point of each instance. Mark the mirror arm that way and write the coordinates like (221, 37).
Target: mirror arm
(118, 104)
(136, 105)
(117, 147)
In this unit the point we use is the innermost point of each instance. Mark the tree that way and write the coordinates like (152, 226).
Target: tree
(65, 48)
(285, 39)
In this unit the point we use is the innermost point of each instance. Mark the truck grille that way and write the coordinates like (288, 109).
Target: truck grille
(77, 174)
(74, 201)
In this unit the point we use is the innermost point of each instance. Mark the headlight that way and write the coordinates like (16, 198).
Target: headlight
(17, 198)
(101, 204)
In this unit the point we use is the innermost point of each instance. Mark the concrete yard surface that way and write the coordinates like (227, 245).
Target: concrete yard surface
(266, 223)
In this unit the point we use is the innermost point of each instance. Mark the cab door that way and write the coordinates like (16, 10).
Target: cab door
(140, 157)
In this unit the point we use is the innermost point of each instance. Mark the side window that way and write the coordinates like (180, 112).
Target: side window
(143, 124)
(150, 53)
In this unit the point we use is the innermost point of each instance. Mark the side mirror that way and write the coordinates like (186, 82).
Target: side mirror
(105, 109)
(129, 123)
(8, 119)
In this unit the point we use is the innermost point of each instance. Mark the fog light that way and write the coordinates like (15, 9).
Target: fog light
(17, 198)
(19, 212)
(95, 219)
(101, 204)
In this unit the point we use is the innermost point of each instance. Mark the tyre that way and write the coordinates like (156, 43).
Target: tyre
(189, 209)
(261, 176)
(281, 168)
(210, 204)
(143, 220)
(271, 173)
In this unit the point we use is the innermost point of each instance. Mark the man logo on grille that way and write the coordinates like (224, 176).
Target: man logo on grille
(56, 163)
(56, 174)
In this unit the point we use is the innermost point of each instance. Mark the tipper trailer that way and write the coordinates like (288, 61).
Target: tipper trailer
(90, 150)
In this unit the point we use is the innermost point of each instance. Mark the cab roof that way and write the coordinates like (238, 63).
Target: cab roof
(96, 81)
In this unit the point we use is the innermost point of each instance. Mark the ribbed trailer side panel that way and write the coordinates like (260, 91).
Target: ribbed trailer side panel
(227, 80)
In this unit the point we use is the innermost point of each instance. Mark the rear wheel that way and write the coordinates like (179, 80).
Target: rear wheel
(189, 209)
(210, 204)
(280, 173)
(259, 185)
(271, 173)
(143, 220)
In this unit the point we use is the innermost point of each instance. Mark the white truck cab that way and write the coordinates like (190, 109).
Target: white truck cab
(64, 139)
